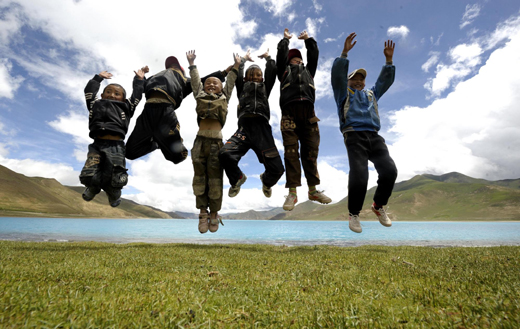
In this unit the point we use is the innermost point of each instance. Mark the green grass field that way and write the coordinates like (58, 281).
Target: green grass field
(82, 285)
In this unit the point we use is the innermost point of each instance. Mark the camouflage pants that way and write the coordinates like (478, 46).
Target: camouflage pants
(207, 182)
(105, 168)
(300, 124)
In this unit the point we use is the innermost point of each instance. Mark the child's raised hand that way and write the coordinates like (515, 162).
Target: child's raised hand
(140, 73)
(105, 75)
(389, 50)
(303, 36)
(190, 56)
(247, 56)
(237, 60)
(286, 34)
(348, 42)
(264, 55)
(145, 69)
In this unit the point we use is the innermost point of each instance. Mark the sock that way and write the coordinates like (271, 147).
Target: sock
(292, 190)
(312, 189)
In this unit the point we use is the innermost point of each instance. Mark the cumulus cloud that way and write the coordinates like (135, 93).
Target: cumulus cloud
(398, 32)
(314, 25)
(434, 58)
(62, 172)
(472, 12)
(474, 129)
(277, 7)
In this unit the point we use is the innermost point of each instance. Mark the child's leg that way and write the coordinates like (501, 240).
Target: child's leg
(231, 153)
(200, 179)
(386, 170)
(267, 153)
(310, 142)
(293, 170)
(115, 175)
(215, 176)
(90, 175)
(140, 141)
(168, 137)
(357, 149)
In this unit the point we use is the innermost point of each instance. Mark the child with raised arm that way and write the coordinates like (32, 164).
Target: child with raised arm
(359, 122)
(157, 126)
(109, 118)
(254, 131)
(212, 102)
(299, 122)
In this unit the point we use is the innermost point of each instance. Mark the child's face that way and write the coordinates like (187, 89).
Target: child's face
(114, 93)
(296, 60)
(254, 75)
(357, 81)
(213, 85)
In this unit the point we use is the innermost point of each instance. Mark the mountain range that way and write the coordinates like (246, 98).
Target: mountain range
(451, 196)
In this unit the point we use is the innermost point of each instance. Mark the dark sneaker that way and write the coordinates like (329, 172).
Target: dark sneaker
(213, 223)
(114, 199)
(115, 203)
(233, 190)
(382, 215)
(319, 197)
(267, 190)
(203, 222)
(88, 195)
(354, 224)
(290, 201)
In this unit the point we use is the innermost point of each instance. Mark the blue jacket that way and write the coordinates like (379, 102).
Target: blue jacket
(360, 113)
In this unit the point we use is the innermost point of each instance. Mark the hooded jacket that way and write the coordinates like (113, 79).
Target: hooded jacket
(358, 110)
(109, 116)
(297, 81)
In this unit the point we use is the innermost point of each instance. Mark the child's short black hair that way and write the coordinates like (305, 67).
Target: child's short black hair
(253, 67)
(117, 85)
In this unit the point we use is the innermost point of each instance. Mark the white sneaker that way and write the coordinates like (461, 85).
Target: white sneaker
(233, 190)
(354, 224)
(267, 190)
(382, 216)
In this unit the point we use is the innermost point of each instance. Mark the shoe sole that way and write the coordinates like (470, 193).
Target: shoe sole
(360, 230)
(320, 201)
(382, 223)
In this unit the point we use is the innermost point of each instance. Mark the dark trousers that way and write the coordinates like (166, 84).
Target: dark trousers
(156, 127)
(364, 146)
(253, 133)
(300, 124)
(207, 179)
(105, 168)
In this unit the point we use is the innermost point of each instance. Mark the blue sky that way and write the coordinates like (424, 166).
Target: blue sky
(453, 105)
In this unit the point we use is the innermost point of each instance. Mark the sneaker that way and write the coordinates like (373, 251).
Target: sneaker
(290, 201)
(213, 223)
(88, 195)
(382, 216)
(354, 224)
(267, 190)
(203, 222)
(233, 190)
(114, 199)
(319, 196)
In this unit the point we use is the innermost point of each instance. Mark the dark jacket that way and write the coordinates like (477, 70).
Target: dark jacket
(109, 116)
(297, 81)
(173, 84)
(253, 97)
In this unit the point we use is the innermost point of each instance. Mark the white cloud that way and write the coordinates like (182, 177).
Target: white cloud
(434, 58)
(398, 31)
(474, 129)
(8, 83)
(317, 6)
(63, 173)
(472, 12)
(277, 7)
(313, 26)
(322, 79)
(438, 41)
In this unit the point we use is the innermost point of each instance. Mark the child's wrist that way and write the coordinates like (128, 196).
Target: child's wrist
(344, 54)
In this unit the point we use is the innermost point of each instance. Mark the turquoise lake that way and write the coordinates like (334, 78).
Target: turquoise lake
(290, 233)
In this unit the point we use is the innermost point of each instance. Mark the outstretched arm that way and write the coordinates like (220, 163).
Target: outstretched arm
(349, 44)
(312, 52)
(137, 89)
(92, 87)
(269, 73)
(196, 84)
(230, 82)
(282, 54)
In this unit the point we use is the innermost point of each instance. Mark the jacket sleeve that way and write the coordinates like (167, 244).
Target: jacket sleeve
(313, 54)
(281, 57)
(384, 81)
(91, 90)
(137, 94)
(230, 83)
(239, 82)
(339, 80)
(270, 75)
(196, 84)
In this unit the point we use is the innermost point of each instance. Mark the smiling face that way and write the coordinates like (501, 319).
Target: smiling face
(254, 75)
(357, 82)
(113, 92)
(213, 85)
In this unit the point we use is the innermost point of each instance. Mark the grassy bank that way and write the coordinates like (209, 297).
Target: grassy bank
(183, 285)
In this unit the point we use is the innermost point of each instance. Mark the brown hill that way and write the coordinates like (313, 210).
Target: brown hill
(22, 196)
